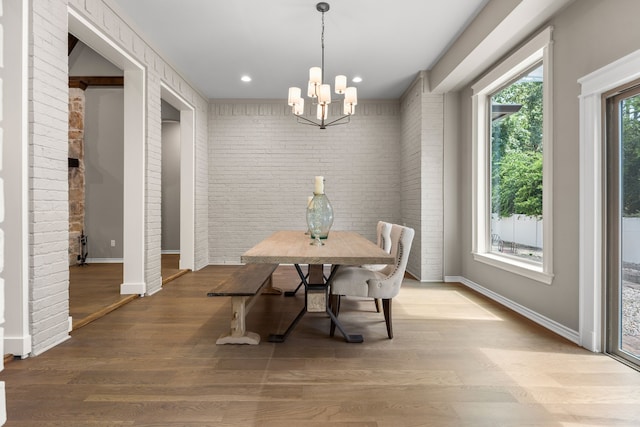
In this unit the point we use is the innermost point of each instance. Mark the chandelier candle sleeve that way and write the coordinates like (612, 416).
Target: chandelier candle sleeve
(325, 94)
(348, 109)
(323, 112)
(351, 95)
(315, 75)
(341, 84)
(298, 108)
(294, 95)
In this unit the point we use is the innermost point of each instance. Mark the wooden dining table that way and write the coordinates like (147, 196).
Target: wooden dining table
(294, 247)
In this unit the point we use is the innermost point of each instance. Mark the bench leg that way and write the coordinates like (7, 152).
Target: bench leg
(238, 333)
(269, 289)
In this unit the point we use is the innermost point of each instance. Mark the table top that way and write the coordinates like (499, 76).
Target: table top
(340, 247)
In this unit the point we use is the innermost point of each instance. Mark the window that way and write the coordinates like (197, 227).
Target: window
(512, 163)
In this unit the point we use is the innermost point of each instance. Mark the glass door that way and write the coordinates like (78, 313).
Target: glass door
(623, 225)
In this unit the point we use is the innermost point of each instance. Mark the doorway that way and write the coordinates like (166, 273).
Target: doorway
(170, 191)
(183, 114)
(622, 324)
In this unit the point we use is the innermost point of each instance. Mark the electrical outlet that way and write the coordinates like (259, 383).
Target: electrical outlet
(113, 243)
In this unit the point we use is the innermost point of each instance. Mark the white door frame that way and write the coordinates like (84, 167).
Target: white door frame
(187, 175)
(134, 148)
(17, 337)
(592, 203)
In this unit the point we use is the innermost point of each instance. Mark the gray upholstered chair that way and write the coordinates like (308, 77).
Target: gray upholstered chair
(383, 231)
(384, 284)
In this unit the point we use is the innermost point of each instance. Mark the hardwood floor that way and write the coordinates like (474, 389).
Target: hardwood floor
(457, 359)
(94, 289)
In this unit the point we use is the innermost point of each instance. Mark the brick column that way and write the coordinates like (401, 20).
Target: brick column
(76, 174)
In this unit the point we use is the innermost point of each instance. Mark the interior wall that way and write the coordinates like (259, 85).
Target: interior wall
(170, 186)
(84, 61)
(452, 265)
(410, 174)
(587, 35)
(262, 166)
(48, 215)
(431, 254)
(421, 178)
(104, 173)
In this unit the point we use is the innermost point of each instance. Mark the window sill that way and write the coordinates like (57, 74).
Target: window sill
(522, 268)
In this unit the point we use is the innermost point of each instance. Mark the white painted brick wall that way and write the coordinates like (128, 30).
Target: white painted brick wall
(411, 173)
(432, 206)
(422, 179)
(153, 223)
(201, 211)
(49, 223)
(262, 166)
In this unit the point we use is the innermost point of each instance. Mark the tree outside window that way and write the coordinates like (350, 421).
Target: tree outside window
(516, 167)
(630, 114)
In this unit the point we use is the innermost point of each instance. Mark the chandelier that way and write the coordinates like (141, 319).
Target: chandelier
(320, 93)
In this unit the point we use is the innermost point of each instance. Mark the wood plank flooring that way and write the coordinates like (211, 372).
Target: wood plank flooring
(457, 359)
(94, 289)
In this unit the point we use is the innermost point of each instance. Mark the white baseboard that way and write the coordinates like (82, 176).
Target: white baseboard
(170, 252)
(133, 288)
(155, 291)
(50, 346)
(104, 260)
(18, 346)
(541, 320)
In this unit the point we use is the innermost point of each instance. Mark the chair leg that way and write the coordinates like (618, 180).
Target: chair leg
(377, 302)
(386, 306)
(334, 302)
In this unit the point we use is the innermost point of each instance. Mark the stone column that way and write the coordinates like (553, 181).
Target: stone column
(76, 174)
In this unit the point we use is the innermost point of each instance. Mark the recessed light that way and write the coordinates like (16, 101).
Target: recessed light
(245, 79)
(357, 79)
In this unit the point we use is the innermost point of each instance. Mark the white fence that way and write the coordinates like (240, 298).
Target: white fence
(526, 230)
(520, 229)
(631, 240)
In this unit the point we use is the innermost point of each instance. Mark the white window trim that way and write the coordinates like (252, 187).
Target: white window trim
(592, 239)
(536, 50)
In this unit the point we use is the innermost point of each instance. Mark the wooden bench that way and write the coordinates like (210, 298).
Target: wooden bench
(243, 286)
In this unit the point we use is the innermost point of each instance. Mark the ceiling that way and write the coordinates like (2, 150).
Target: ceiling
(213, 43)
